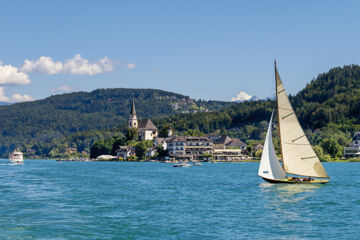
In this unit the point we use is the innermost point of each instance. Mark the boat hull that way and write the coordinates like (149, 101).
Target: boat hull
(293, 181)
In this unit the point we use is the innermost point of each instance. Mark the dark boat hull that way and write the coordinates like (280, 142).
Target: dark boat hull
(292, 181)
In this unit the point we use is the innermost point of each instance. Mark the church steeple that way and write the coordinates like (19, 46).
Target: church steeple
(133, 123)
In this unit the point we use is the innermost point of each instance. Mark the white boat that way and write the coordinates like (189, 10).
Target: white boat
(197, 163)
(16, 157)
(182, 164)
(300, 163)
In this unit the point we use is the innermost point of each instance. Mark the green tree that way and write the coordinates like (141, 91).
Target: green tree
(140, 150)
(131, 134)
(164, 130)
(332, 147)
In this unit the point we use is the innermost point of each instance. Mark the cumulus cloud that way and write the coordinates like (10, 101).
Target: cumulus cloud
(75, 65)
(3, 98)
(130, 65)
(15, 97)
(10, 75)
(44, 65)
(64, 88)
(21, 98)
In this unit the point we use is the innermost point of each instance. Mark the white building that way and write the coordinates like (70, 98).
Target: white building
(125, 151)
(147, 130)
(190, 147)
(353, 149)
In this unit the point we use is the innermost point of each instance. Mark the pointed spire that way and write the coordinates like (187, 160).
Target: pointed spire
(133, 112)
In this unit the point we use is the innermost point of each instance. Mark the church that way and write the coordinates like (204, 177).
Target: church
(146, 128)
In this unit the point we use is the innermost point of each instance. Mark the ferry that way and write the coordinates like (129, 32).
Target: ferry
(16, 157)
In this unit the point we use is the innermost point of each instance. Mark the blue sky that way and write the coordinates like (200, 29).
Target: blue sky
(203, 49)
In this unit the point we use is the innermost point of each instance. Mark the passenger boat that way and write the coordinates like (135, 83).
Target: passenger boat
(16, 157)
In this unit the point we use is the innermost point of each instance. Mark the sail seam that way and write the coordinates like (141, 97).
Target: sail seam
(287, 115)
(297, 138)
(308, 157)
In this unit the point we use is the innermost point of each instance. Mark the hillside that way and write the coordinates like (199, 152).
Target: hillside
(43, 121)
(328, 108)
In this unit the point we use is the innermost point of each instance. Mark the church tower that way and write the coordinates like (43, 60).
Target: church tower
(133, 122)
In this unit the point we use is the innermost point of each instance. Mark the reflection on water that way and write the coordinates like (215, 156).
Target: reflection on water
(284, 197)
(290, 192)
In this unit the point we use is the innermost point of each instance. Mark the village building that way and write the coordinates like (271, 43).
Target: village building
(227, 149)
(146, 128)
(125, 151)
(353, 148)
(190, 147)
(228, 142)
(258, 147)
(150, 152)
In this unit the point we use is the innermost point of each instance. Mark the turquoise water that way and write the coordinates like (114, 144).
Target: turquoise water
(107, 200)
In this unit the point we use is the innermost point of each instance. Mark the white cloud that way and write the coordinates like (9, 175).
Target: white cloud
(75, 65)
(21, 98)
(10, 75)
(15, 97)
(64, 88)
(3, 98)
(44, 65)
(130, 65)
(242, 96)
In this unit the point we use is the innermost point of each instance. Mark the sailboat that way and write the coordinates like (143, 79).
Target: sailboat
(300, 164)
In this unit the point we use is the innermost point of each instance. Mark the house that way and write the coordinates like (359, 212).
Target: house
(125, 151)
(163, 142)
(226, 142)
(190, 147)
(227, 148)
(150, 152)
(353, 148)
(258, 147)
(71, 150)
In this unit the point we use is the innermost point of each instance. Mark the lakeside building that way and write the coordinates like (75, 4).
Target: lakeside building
(225, 142)
(227, 148)
(258, 147)
(190, 147)
(353, 148)
(146, 128)
(125, 151)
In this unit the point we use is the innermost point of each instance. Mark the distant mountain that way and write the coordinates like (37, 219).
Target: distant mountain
(5, 103)
(243, 97)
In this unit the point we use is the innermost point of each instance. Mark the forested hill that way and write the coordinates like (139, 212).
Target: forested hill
(331, 103)
(332, 100)
(42, 121)
(333, 97)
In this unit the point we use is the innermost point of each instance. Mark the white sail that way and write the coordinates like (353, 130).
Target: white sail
(298, 156)
(270, 167)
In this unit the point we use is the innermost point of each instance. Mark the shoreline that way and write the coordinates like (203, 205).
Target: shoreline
(153, 160)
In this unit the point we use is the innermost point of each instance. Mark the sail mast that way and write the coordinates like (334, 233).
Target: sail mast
(277, 110)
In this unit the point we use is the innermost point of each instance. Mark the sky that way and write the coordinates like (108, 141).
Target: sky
(210, 50)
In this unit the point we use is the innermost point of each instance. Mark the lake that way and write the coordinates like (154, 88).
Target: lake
(44, 199)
